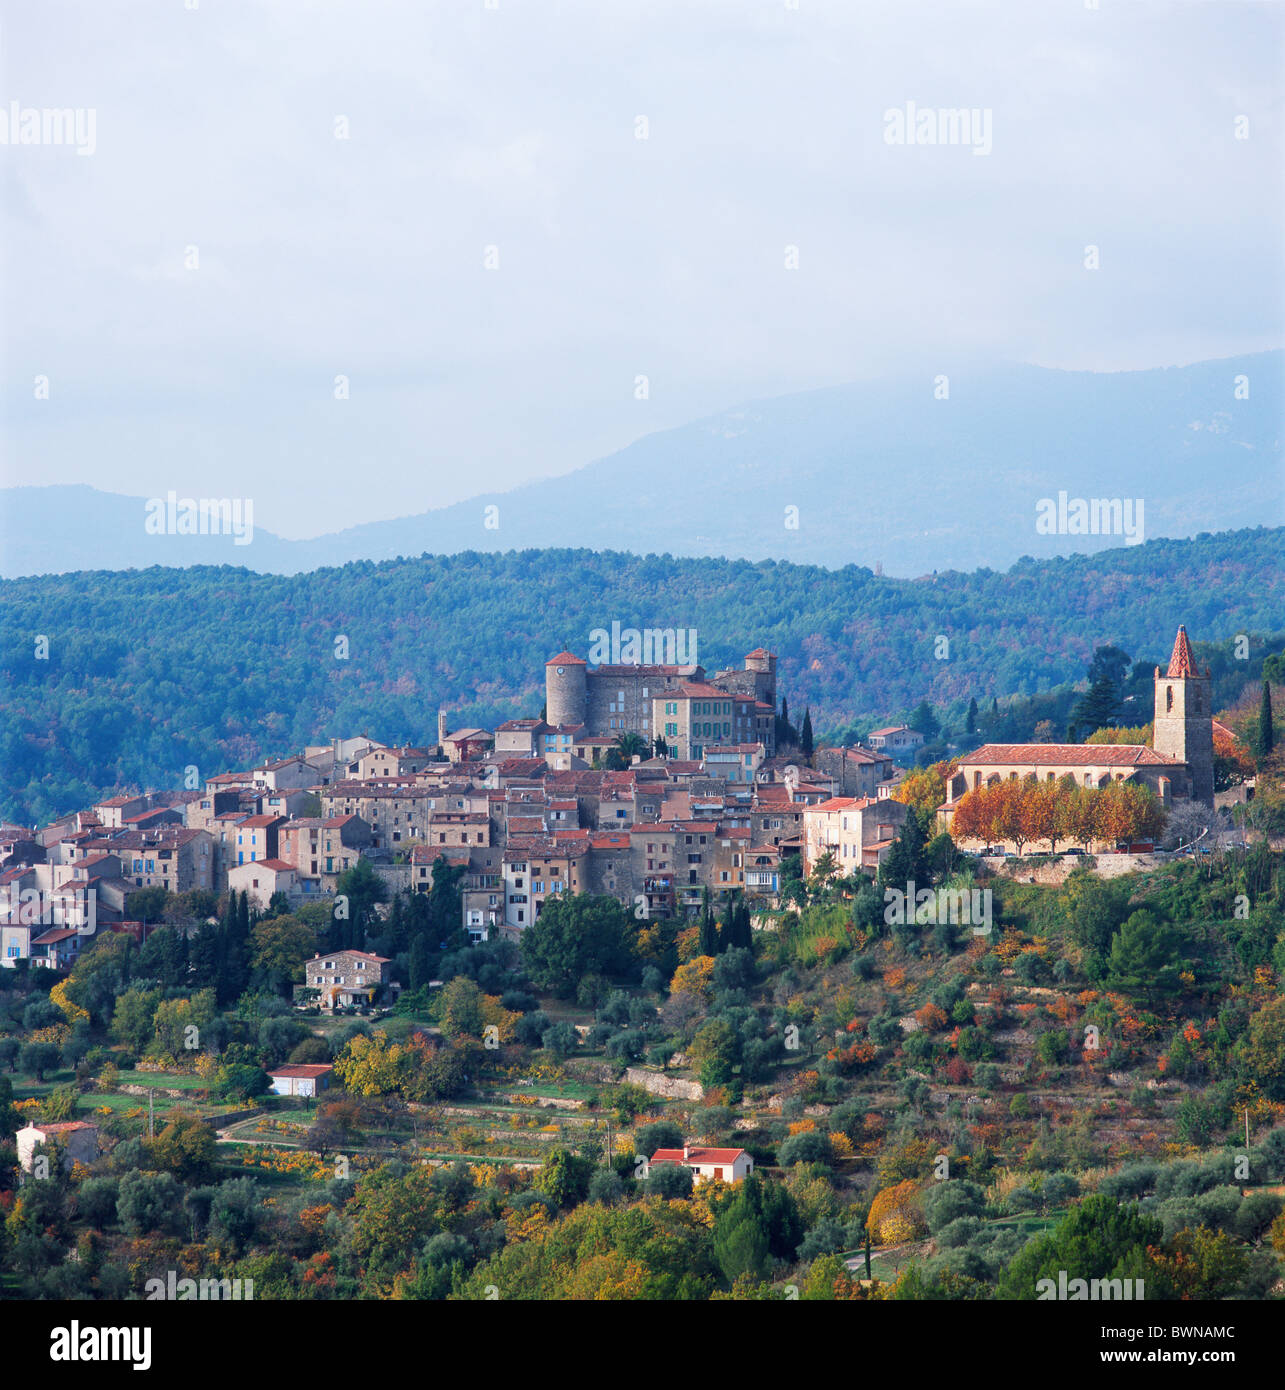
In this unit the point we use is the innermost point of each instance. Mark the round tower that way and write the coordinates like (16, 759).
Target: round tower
(565, 694)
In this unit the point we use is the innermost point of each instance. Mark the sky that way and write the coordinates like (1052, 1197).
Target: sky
(343, 171)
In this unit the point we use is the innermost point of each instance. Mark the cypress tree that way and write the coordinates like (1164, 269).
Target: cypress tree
(970, 725)
(708, 936)
(728, 932)
(421, 962)
(805, 738)
(744, 935)
(1266, 739)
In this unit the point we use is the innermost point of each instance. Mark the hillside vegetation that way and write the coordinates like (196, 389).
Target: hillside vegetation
(149, 672)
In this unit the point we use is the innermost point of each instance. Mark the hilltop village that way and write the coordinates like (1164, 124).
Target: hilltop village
(657, 785)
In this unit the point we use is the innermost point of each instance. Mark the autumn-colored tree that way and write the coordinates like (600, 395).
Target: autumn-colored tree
(896, 1215)
(695, 978)
(73, 1012)
(369, 1066)
(1023, 811)
(972, 818)
(1233, 762)
(1014, 799)
(924, 788)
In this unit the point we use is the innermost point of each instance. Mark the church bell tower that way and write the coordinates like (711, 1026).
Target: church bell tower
(1184, 727)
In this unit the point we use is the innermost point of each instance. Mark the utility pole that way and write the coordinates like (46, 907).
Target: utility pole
(151, 1127)
(1247, 1126)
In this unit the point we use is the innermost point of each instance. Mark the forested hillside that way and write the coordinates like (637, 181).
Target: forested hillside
(151, 671)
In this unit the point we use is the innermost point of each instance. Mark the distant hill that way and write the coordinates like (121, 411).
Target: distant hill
(154, 670)
(879, 471)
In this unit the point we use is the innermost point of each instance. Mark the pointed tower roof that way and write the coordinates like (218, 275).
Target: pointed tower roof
(1182, 663)
(565, 658)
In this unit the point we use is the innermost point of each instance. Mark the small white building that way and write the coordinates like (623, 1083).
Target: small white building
(728, 1165)
(77, 1139)
(262, 878)
(301, 1080)
(897, 738)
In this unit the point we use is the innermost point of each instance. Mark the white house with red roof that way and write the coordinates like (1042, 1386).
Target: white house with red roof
(302, 1079)
(706, 1164)
(896, 738)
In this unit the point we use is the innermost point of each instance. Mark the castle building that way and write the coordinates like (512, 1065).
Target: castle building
(1178, 767)
(610, 700)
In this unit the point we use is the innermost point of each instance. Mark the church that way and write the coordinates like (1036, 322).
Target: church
(1178, 767)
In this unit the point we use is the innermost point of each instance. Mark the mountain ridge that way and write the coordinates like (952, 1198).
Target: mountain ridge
(878, 472)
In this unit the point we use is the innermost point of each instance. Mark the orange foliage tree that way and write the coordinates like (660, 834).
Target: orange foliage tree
(1023, 811)
(895, 1214)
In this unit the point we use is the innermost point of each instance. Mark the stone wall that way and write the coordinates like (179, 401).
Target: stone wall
(660, 1084)
(1057, 871)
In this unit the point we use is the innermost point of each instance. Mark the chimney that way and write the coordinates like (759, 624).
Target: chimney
(687, 1153)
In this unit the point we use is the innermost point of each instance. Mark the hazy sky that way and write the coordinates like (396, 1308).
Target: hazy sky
(516, 128)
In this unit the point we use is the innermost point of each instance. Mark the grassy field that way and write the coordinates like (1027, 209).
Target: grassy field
(167, 1080)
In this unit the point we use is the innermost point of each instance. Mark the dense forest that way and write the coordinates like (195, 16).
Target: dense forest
(127, 678)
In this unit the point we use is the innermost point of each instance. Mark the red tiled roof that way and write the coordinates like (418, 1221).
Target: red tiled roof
(565, 659)
(310, 1069)
(758, 651)
(862, 755)
(697, 1154)
(1068, 754)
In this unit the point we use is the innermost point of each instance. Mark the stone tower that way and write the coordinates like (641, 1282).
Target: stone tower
(565, 695)
(763, 665)
(1184, 726)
